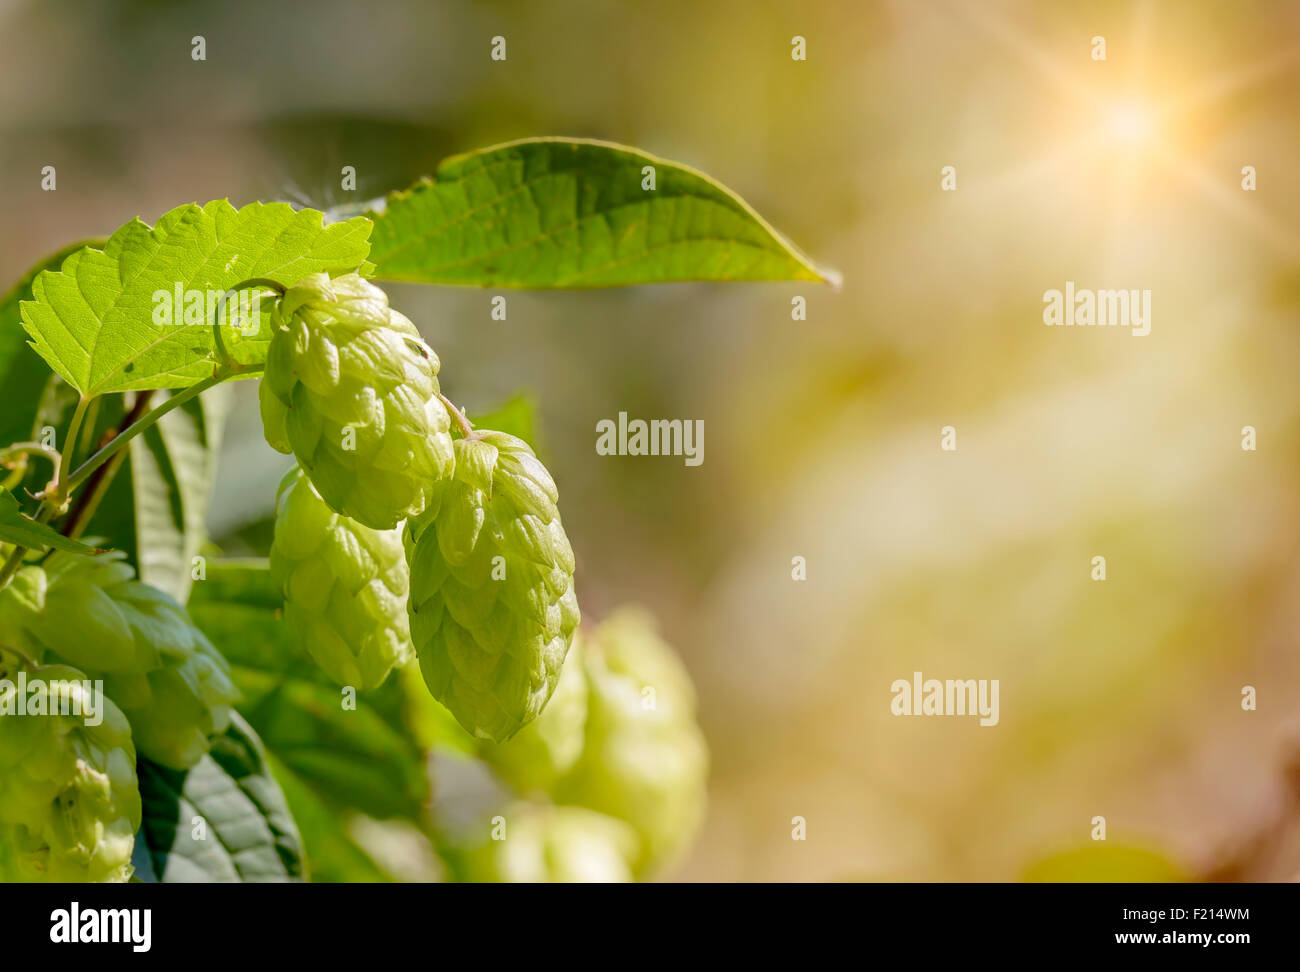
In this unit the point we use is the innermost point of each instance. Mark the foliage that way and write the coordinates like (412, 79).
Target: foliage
(119, 440)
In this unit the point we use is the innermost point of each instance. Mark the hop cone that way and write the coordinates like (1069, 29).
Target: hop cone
(546, 748)
(352, 391)
(492, 604)
(344, 587)
(549, 844)
(162, 671)
(645, 760)
(69, 799)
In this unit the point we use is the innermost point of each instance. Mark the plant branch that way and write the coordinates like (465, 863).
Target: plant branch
(88, 499)
(147, 421)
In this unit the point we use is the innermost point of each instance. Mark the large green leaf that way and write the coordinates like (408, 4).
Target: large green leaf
(246, 832)
(93, 319)
(365, 759)
(22, 374)
(572, 213)
(156, 508)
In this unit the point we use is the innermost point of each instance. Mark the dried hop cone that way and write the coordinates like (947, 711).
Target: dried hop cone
(645, 759)
(549, 844)
(173, 685)
(69, 798)
(351, 389)
(492, 604)
(344, 587)
(549, 746)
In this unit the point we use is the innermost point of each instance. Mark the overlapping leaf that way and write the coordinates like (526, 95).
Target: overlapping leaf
(19, 529)
(225, 819)
(93, 319)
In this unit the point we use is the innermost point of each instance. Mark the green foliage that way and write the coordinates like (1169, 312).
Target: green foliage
(19, 529)
(92, 320)
(245, 830)
(21, 376)
(271, 792)
(559, 212)
(158, 503)
(332, 761)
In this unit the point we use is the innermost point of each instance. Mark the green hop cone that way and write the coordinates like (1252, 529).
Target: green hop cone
(492, 604)
(645, 760)
(69, 798)
(352, 390)
(344, 587)
(548, 844)
(173, 685)
(549, 746)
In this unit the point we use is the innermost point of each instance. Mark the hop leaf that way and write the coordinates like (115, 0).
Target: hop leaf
(69, 801)
(344, 587)
(549, 746)
(173, 685)
(352, 390)
(645, 760)
(492, 604)
(549, 844)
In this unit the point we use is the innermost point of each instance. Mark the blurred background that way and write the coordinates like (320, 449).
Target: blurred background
(1119, 698)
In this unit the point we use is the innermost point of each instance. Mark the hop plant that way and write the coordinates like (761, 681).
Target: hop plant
(492, 605)
(69, 801)
(552, 844)
(351, 389)
(644, 760)
(548, 747)
(344, 587)
(173, 685)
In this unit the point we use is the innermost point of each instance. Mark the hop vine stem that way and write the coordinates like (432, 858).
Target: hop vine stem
(67, 481)
(466, 426)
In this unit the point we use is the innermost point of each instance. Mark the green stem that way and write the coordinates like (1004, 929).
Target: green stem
(32, 449)
(126, 435)
(25, 450)
(88, 499)
(62, 488)
(466, 426)
(11, 566)
(55, 498)
(223, 353)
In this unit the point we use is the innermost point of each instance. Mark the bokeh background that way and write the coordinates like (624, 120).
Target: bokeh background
(1120, 698)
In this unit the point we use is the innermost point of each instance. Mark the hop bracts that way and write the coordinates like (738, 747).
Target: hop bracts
(548, 747)
(156, 665)
(492, 605)
(550, 844)
(344, 585)
(352, 390)
(644, 760)
(69, 797)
